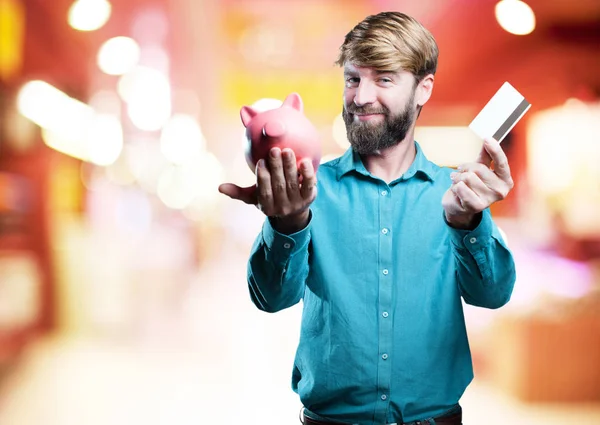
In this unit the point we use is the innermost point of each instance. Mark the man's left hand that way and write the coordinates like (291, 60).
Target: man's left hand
(477, 185)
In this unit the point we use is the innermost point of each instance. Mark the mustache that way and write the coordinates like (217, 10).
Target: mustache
(365, 110)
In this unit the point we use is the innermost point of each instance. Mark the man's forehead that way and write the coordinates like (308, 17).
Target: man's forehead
(350, 68)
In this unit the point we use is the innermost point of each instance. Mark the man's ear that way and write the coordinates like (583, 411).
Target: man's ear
(424, 89)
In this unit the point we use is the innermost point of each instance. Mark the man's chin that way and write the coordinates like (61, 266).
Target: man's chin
(373, 149)
(364, 150)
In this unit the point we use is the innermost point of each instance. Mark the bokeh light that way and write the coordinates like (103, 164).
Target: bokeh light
(104, 139)
(49, 107)
(118, 55)
(178, 185)
(89, 15)
(106, 102)
(147, 93)
(70, 126)
(181, 139)
(515, 16)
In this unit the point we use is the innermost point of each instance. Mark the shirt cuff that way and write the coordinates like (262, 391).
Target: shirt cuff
(284, 246)
(473, 239)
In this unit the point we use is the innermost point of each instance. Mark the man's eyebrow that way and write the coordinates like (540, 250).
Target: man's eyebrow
(387, 72)
(351, 73)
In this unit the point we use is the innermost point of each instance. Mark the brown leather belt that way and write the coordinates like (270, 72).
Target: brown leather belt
(452, 419)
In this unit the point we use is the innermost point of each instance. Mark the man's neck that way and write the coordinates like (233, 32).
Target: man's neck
(391, 163)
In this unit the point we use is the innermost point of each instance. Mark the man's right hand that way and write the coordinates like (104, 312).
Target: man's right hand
(280, 192)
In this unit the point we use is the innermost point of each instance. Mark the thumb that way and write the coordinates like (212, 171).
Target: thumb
(244, 194)
(484, 157)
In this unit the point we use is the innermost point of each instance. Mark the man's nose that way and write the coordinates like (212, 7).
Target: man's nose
(365, 93)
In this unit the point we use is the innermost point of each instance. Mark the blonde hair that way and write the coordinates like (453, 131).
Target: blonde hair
(390, 41)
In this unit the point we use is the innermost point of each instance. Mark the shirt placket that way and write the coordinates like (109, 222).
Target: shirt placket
(385, 303)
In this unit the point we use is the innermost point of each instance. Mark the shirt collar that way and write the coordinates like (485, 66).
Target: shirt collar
(421, 166)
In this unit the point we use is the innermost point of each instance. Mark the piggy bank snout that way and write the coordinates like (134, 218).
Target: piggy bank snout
(274, 128)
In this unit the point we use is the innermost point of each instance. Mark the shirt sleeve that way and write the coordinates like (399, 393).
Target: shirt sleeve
(485, 268)
(278, 267)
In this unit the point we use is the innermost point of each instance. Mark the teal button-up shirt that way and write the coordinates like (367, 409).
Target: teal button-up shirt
(381, 275)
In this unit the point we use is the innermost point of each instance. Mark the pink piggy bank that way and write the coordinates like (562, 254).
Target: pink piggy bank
(283, 127)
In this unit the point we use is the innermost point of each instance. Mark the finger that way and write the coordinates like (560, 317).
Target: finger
(456, 199)
(244, 194)
(263, 183)
(484, 157)
(473, 181)
(468, 198)
(501, 167)
(290, 172)
(278, 185)
(495, 188)
(487, 176)
(308, 190)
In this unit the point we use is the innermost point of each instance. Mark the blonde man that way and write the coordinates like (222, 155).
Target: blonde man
(383, 255)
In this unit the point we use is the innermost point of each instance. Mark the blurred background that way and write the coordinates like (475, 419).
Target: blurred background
(123, 294)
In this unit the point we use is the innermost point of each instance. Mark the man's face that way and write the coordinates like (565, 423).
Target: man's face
(379, 108)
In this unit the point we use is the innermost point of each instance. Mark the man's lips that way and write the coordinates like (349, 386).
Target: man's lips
(366, 117)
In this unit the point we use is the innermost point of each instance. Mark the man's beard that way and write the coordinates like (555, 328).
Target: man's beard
(367, 138)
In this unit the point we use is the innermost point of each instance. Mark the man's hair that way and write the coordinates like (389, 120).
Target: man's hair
(391, 41)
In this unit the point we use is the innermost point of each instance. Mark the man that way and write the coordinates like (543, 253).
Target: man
(384, 253)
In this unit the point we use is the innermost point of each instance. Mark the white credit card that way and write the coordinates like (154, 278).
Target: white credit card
(501, 113)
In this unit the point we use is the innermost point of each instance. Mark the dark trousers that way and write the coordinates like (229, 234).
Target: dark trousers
(451, 419)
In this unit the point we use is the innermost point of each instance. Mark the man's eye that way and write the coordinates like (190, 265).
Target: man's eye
(385, 80)
(352, 81)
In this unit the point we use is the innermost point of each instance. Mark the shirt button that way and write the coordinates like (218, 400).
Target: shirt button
(385, 314)
(287, 245)
(384, 193)
(384, 231)
(383, 397)
(384, 356)
(473, 240)
(385, 271)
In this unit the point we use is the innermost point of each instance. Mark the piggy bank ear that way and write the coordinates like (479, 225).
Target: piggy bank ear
(247, 113)
(294, 100)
